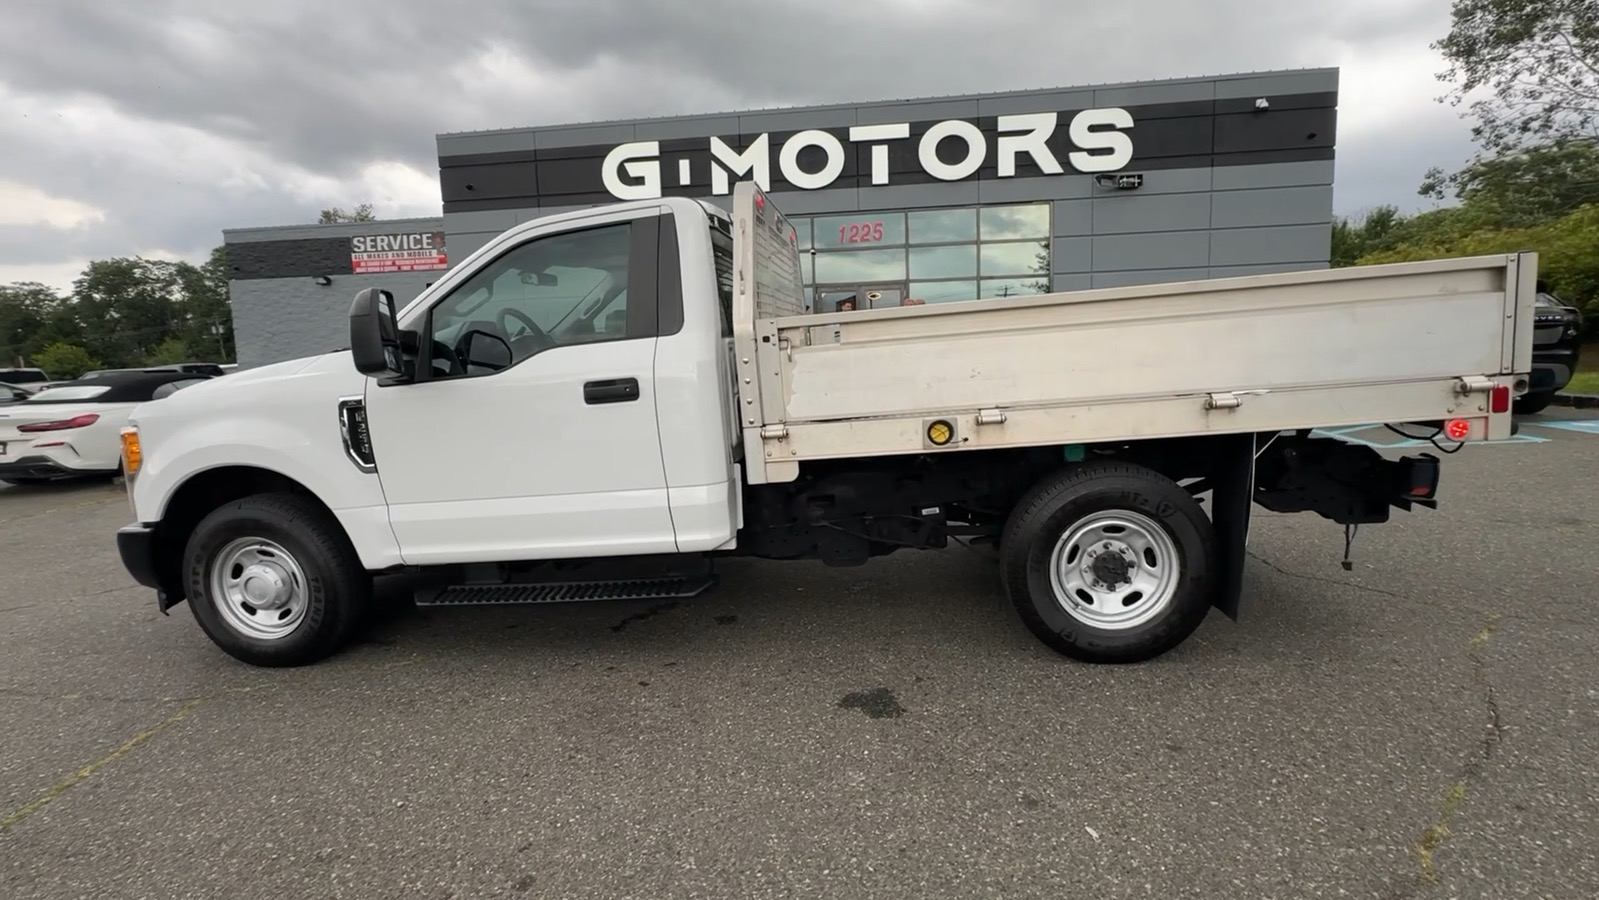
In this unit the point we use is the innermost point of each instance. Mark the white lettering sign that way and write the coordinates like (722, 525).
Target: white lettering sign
(634, 171)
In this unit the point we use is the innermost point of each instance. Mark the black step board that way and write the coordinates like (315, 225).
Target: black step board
(567, 592)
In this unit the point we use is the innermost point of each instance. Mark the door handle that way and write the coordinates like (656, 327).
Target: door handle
(614, 390)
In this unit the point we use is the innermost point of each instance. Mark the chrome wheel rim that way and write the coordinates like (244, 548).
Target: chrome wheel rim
(259, 588)
(1115, 570)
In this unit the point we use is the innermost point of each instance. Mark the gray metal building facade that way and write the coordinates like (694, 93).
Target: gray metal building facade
(958, 197)
(940, 199)
(290, 286)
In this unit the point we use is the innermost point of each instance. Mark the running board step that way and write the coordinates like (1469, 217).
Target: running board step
(671, 588)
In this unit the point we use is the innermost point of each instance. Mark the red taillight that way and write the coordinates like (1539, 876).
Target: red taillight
(1458, 429)
(1499, 400)
(60, 424)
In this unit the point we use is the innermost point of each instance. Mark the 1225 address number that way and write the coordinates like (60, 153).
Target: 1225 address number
(860, 232)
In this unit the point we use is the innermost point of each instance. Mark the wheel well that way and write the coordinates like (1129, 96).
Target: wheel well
(196, 498)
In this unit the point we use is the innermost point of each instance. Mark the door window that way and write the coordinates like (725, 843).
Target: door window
(554, 291)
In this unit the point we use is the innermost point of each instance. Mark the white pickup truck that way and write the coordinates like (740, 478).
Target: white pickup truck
(599, 404)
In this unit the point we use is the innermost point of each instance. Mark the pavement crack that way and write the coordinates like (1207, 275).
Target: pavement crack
(1471, 771)
(66, 784)
(1332, 581)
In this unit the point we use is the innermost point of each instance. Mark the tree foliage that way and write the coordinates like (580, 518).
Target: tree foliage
(362, 213)
(1539, 59)
(63, 361)
(121, 312)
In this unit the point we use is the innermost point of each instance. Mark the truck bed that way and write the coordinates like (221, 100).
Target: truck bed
(1412, 342)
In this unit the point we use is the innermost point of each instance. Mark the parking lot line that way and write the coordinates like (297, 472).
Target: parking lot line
(1582, 426)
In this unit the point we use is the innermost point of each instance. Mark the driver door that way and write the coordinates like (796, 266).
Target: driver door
(531, 430)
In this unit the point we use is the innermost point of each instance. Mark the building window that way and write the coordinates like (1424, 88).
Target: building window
(860, 266)
(936, 255)
(1015, 258)
(1008, 223)
(859, 230)
(949, 261)
(943, 226)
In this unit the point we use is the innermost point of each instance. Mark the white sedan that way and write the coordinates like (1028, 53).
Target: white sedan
(74, 429)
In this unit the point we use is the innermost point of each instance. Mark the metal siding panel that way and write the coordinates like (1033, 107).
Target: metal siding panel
(914, 196)
(1073, 217)
(1147, 276)
(1136, 212)
(278, 319)
(1163, 181)
(585, 136)
(1141, 94)
(795, 120)
(1233, 271)
(1047, 101)
(1272, 206)
(1286, 129)
(1266, 85)
(806, 203)
(725, 127)
(491, 142)
(1072, 255)
(496, 220)
(1260, 246)
(1071, 282)
(1164, 250)
(1022, 190)
(913, 111)
(1229, 178)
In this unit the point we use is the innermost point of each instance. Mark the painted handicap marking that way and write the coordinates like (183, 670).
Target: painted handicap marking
(1582, 426)
(1392, 441)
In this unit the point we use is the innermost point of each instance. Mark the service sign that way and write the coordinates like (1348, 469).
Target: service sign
(420, 251)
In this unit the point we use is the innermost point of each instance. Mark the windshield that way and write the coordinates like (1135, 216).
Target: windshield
(1549, 300)
(68, 394)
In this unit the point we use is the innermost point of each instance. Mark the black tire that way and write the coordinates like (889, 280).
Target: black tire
(1049, 511)
(1530, 403)
(337, 589)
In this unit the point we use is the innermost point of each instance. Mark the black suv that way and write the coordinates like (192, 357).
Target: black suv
(1556, 341)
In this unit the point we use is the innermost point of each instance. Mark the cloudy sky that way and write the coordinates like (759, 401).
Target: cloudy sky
(147, 126)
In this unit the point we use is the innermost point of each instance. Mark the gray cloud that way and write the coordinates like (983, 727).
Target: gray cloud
(180, 118)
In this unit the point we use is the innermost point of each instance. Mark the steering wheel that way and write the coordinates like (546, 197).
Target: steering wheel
(540, 340)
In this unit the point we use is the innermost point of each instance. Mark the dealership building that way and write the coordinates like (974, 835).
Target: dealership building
(940, 199)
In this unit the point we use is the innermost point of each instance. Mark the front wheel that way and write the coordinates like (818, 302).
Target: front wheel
(273, 580)
(1109, 562)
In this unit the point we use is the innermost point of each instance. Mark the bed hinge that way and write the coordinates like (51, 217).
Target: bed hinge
(1474, 384)
(774, 432)
(1228, 399)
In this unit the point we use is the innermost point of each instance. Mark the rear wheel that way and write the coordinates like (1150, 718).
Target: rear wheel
(273, 580)
(1109, 562)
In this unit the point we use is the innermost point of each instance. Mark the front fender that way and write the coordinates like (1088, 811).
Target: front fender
(306, 449)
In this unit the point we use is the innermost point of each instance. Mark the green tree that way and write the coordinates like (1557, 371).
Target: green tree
(362, 213)
(1539, 59)
(65, 361)
(168, 352)
(1524, 187)
(1567, 247)
(128, 306)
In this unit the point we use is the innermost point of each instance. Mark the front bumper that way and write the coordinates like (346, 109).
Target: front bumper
(136, 545)
(38, 467)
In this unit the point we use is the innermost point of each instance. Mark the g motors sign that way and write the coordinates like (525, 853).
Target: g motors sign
(635, 171)
(419, 251)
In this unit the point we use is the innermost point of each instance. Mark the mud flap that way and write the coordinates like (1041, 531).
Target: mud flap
(1232, 483)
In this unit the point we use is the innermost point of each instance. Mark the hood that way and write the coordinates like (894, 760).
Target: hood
(311, 382)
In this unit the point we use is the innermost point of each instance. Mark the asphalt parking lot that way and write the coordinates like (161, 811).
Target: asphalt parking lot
(1424, 725)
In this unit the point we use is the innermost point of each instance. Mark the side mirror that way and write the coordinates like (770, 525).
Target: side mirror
(374, 336)
(482, 350)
